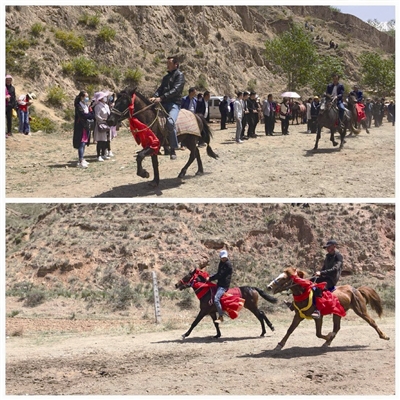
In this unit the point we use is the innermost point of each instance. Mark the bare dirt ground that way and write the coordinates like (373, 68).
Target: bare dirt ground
(119, 357)
(44, 166)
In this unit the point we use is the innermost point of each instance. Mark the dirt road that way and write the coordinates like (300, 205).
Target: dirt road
(158, 362)
(44, 166)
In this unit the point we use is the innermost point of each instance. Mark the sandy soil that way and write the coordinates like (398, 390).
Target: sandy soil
(78, 357)
(44, 166)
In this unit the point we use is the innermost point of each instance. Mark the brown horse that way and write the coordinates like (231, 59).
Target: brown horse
(352, 105)
(298, 110)
(154, 117)
(349, 297)
(207, 307)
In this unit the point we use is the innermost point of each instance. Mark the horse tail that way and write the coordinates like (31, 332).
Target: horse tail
(265, 296)
(372, 298)
(206, 135)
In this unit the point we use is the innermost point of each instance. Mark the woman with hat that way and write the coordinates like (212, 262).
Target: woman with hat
(11, 103)
(101, 130)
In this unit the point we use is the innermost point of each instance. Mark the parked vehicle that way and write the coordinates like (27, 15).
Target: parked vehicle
(213, 106)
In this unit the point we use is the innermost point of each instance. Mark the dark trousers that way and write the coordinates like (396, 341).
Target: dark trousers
(101, 148)
(269, 124)
(244, 124)
(223, 120)
(285, 125)
(9, 119)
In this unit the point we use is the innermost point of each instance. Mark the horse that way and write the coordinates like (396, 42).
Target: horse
(359, 121)
(154, 116)
(205, 292)
(328, 117)
(348, 296)
(298, 110)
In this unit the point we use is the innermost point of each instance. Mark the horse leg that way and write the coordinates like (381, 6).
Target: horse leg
(332, 139)
(342, 136)
(295, 323)
(139, 159)
(200, 170)
(156, 180)
(318, 137)
(336, 329)
(358, 305)
(214, 318)
(199, 317)
(189, 163)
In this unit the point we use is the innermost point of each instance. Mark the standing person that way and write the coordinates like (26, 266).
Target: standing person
(169, 94)
(308, 114)
(224, 276)
(268, 110)
(238, 115)
(81, 126)
(245, 118)
(224, 109)
(368, 111)
(11, 104)
(202, 109)
(284, 116)
(189, 102)
(315, 106)
(101, 129)
(113, 129)
(335, 90)
(391, 112)
(253, 115)
(24, 102)
(231, 117)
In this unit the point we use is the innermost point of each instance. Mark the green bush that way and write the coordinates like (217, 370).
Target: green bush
(67, 68)
(34, 298)
(37, 29)
(133, 76)
(107, 34)
(43, 124)
(85, 67)
(89, 20)
(70, 41)
(202, 82)
(56, 96)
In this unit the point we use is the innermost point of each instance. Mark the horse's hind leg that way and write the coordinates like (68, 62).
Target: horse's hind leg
(334, 142)
(156, 180)
(200, 170)
(188, 164)
(317, 138)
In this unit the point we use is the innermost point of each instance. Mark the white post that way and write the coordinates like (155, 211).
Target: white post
(156, 299)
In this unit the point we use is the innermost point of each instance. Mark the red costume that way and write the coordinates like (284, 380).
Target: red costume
(327, 304)
(141, 132)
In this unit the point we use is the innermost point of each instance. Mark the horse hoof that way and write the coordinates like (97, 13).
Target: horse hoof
(278, 347)
(183, 337)
(335, 143)
(199, 173)
(153, 184)
(144, 174)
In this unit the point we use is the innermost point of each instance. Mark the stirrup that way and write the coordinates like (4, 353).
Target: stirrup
(316, 314)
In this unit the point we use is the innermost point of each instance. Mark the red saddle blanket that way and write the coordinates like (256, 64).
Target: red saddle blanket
(360, 112)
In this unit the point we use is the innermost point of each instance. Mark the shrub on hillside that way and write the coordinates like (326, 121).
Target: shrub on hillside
(56, 96)
(107, 34)
(37, 29)
(85, 67)
(70, 41)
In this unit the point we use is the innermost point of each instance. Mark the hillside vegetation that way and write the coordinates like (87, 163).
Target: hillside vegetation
(221, 48)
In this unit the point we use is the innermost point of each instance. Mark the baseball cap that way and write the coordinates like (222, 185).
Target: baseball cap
(330, 243)
(223, 254)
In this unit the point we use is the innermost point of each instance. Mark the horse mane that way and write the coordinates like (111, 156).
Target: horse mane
(143, 98)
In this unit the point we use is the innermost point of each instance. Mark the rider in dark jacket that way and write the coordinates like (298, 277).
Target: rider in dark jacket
(336, 90)
(170, 94)
(332, 268)
(224, 276)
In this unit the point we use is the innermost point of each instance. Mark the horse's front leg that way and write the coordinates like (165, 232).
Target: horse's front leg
(295, 323)
(332, 139)
(139, 159)
(156, 180)
(318, 137)
(199, 317)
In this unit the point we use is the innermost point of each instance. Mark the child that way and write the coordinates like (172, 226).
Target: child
(24, 101)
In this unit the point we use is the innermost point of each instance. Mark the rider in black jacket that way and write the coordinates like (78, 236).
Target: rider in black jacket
(224, 276)
(169, 94)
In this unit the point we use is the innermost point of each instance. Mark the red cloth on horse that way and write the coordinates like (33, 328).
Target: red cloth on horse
(141, 132)
(327, 304)
(231, 301)
(360, 112)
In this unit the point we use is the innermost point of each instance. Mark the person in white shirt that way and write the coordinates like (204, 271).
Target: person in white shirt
(238, 115)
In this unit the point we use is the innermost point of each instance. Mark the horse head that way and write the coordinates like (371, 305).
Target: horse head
(120, 111)
(283, 282)
(190, 278)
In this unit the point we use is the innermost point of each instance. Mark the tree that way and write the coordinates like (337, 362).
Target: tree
(322, 72)
(294, 54)
(378, 73)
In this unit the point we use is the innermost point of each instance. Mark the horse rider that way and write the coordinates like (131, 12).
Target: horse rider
(169, 94)
(335, 90)
(357, 93)
(224, 275)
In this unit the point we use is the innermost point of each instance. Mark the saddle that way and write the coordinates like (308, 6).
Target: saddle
(185, 124)
(231, 301)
